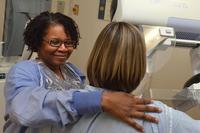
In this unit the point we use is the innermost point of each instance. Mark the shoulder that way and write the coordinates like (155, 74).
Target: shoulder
(101, 123)
(27, 66)
(166, 110)
(171, 120)
(24, 72)
(165, 118)
(159, 104)
(95, 123)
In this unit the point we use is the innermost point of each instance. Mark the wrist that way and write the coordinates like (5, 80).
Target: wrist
(87, 102)
(105, 100)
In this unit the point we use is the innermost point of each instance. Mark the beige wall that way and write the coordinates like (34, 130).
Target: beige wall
(2, 105)
(90, 26)
(175, 72)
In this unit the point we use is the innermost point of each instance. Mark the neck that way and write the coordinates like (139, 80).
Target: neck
(56, 69)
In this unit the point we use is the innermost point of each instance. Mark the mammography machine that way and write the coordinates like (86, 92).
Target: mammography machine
(165, 24)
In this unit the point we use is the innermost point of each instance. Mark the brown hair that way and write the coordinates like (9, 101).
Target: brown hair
(118, 59)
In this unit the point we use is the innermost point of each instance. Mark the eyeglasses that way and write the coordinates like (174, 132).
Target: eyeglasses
(57, 43)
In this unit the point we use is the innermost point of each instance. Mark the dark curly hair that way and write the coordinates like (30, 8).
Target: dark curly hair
(37, 27)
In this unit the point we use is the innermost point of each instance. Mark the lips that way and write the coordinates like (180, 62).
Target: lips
(61, 55)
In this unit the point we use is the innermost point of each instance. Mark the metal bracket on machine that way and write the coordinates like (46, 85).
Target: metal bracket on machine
(182, 99)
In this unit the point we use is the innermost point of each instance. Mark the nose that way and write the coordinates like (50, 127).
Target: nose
(63, 48)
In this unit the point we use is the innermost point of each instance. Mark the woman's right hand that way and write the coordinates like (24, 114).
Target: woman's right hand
(125, 107)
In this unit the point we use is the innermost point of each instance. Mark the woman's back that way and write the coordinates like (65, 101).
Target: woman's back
(170, 121)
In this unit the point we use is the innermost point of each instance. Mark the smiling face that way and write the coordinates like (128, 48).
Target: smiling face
(53, 56)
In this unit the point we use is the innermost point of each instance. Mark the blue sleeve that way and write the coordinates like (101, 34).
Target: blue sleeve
(30, 104)
(82, 100)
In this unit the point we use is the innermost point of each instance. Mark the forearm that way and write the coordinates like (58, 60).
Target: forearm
(49, 107)
(29, 103)
(36, 108)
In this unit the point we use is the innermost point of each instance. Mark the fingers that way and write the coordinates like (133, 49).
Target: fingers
(126, 107)
(142, 100)
(134, 124)
(143, 116)
(146, 108)
(141, 105)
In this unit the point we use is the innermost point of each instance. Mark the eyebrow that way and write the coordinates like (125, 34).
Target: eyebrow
(59, 39)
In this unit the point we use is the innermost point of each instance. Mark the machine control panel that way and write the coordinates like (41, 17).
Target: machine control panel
(2, 76)
(3, 72)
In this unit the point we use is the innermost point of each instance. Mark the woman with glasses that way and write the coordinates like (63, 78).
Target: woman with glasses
(46, 94)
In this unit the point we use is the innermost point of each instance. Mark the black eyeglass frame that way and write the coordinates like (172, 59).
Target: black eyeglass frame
(55, 42)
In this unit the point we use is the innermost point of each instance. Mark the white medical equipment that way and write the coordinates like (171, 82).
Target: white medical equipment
(178, 24)
(182, 15)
